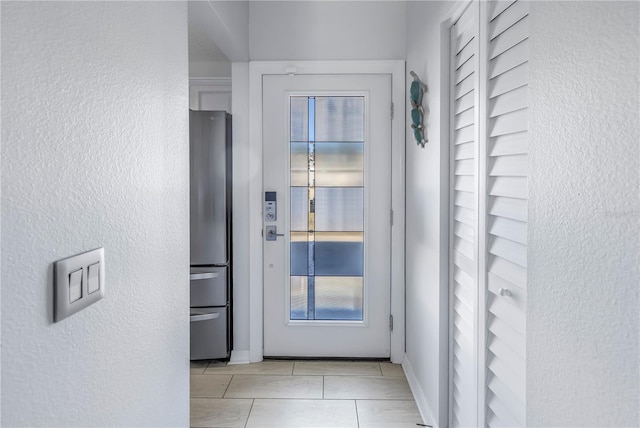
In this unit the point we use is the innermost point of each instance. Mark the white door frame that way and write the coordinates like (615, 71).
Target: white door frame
(396, 69)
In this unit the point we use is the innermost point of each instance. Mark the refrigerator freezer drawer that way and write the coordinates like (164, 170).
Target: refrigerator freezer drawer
(209, 333)
(208, 286)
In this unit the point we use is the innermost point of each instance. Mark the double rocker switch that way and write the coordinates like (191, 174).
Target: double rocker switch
(78, 282)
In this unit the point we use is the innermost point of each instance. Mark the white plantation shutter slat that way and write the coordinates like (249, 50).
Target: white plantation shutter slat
(463, 279)
(508, 271)
(464, 87)
(464, 199)
(509, 165)
(506, 354)
(464, 103)
(464, 71)
(464, 264)
(463, 231)
(464, 119)
(464, 183)
(508, 207)
(464, 135)
(465, 37)
(463, 151)
(514, 384)
(509, 144)
(494, 421)
(463, 56)
(466, 316)
(463, 214)
(514, 187)
(508, 123)
(509, 59)
(464, 292)
(508, 228)
(508, 250)
(500, 328)
(509, 80)
(502, 403)
(497, 7)
(509, 16)
(464, 167)
(463, 247)
(513, 35)
(465, 30)
(509, 101)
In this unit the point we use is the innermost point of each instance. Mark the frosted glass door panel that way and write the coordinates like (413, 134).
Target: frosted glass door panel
(299, 299)
(339, 164)
(339, 254)
(338, 298)
(299, 164)
(299, 208)
(299, 253)
(339, 119)
(339, 209)
(299, 119)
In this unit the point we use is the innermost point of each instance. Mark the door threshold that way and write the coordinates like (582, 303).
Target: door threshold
(371, 359)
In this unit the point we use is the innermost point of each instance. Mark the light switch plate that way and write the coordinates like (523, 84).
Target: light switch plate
(66, 301)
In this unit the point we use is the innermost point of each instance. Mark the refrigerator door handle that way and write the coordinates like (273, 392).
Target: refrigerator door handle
(204, 317)
(208, 275)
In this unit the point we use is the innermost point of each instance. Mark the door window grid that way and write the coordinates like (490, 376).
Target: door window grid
(326, 276)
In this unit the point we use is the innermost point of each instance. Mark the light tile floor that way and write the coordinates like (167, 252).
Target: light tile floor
(301, 394)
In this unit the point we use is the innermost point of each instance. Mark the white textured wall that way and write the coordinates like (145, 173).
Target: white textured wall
(426, 204)
(95, 153)
(326, 30)
(241, 218)
(584, 215)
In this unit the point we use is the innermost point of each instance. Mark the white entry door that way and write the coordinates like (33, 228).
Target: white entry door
(327, 165)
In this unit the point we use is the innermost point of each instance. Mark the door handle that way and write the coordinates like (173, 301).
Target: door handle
(207, 275)
(203, 317)
(272, 233)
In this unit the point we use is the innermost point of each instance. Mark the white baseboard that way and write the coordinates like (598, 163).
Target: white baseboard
(239, 357)
(418, 394)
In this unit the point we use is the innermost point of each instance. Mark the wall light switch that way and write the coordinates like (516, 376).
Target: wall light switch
(93, 278)
(78, 282)
(75, 285)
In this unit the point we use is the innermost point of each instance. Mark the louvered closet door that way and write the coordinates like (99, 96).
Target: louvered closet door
(463, 221)
(506, 213)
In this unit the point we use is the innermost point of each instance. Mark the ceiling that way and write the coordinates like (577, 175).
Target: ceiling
(201, 47)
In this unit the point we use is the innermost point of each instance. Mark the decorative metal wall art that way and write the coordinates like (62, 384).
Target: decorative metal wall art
(416, 92)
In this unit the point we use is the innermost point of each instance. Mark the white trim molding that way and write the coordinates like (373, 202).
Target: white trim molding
(257, 69)
(239, 357)
(210, 93)
(421, 401)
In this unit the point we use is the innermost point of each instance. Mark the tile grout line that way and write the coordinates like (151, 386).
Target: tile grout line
(323, 387)
(227, 388)
(253, 400)
(357, 415)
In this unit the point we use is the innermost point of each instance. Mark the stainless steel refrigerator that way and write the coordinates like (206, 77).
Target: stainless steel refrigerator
(211, 260)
